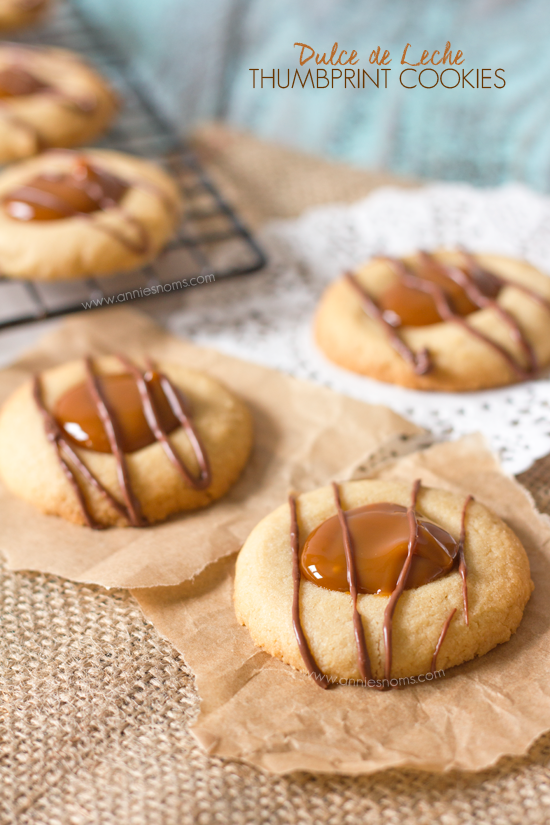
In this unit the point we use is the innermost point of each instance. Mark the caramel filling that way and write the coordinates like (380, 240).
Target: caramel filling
(15, 81)
(77, 415)
(82, 190)
(380, 538)
(415, 308)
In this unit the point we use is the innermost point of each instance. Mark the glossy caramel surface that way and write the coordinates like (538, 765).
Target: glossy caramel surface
(416, 308)
(380, 537)
(77, 415)
(80, 191)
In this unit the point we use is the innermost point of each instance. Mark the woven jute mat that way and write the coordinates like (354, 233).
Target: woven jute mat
(95, 706)
(266, 181)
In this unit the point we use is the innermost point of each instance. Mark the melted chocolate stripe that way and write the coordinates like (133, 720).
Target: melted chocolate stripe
(76, 488)
(132, 511)
(133, 183)
(446, 311)
(359, 631)
(85, 106)
(138, 247)
(152, 417)
(151, 188)
(93, 190)
(401, 581)
(89, 476)
(474, 267)
(177, 403)
(462, 568)
(55, 436)
(52, 434)
(441, 639)
(157, 191)
(420, 361)
(477, 297)
(363, 659)
(143, 244)
(19, 123)
(111, 429)
(303, 646)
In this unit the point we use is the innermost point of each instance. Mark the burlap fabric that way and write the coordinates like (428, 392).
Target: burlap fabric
(266, 181)
(95, 709)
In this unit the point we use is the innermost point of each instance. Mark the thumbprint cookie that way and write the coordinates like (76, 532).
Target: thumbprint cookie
(447, 320)
(373, 581)
(109, 442)
(49, 98)
(71, 214)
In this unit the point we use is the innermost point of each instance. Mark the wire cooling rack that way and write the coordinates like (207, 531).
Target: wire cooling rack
(211, 242)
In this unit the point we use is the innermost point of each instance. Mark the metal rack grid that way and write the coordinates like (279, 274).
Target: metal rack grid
(211, 239)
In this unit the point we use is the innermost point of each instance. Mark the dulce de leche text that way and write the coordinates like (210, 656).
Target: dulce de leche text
(337, 68)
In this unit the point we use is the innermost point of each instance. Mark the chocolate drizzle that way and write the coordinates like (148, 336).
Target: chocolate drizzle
(111, 428)
(303, 646)
(56, 437)
(420, 361)
(481, 275)
(16, 81)
(131, 510)
(153, 419)
(139, 246)
(462, 568)
(479, 285)
(24, 126)
(401, 581)
(477, 293)
(358, 629)
(351, 571)
(83, 192)
(447, 312)
(441, 639)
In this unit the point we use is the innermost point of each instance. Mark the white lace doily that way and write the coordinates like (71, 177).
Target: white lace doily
(267, 318)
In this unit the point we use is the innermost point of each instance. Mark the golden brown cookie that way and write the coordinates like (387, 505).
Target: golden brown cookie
(497, 578)
(67, 214)
(18, 14)
(56, 452)
(49, 98)
(445, 321)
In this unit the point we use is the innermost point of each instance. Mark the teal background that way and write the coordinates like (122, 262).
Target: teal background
(195, 56)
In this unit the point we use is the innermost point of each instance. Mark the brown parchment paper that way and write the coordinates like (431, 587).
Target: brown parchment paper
(304, 435)
(256, 709)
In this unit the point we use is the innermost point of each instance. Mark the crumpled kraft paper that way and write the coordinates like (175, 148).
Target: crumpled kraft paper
(256, 709)
(304, 435)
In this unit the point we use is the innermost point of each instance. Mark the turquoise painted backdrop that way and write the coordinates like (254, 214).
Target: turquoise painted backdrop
(196, 57)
